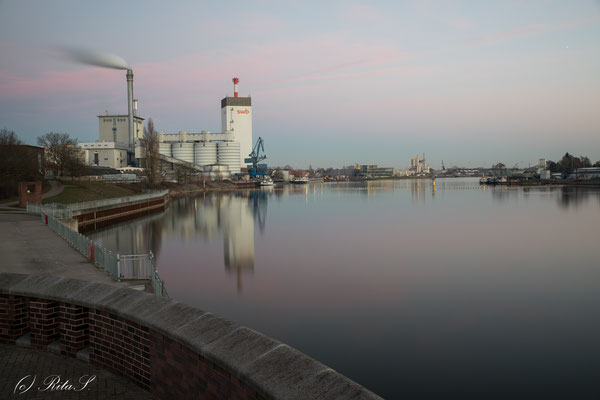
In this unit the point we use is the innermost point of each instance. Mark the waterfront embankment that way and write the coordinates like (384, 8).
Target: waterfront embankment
(30, 247)
(170, 349)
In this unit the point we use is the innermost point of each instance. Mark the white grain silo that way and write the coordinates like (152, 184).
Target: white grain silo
(165, 149)
(228, 153)
(183, 151)
(205, 153)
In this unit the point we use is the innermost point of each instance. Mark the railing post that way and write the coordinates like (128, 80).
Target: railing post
(118, 267)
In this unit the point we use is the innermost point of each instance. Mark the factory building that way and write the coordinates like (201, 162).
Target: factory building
(120, 136)
(117, 135)
(419, 165)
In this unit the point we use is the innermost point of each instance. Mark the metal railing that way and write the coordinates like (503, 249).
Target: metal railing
(118, 266)
(52, 209)
(119, 200)
(66, 210)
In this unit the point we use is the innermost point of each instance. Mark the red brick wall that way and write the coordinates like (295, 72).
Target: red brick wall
(153, 361)
(73, 328)
(14, 318)
(33, 196)
(120, 345)
(43, 322)
(187, 374)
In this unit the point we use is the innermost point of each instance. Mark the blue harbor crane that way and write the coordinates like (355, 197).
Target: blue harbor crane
(255, 169)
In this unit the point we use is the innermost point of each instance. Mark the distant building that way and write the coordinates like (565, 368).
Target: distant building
(419, 165)
(587, 173)
(105, 154)
(112, 148)
(373, 171)
(19, 163)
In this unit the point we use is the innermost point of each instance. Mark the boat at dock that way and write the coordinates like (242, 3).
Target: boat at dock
(301, 180)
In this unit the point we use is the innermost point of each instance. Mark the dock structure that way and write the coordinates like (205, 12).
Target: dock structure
(90, 215)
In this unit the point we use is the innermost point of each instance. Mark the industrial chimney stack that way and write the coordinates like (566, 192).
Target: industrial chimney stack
(235, 88)
(130, 106)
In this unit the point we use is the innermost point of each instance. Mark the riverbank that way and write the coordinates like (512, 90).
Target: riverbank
(30, 247)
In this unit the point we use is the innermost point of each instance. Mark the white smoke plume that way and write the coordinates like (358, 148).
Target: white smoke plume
(96, 58)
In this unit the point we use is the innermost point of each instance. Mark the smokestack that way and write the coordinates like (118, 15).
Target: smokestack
(130, 105)
(135, 113)
(235, 89)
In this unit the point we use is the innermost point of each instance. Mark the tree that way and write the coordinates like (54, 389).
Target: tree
(552, 166)
(62, 153)
(499, 168)
(569, 164)
(9, 138)
(597, 163)
(151, 154)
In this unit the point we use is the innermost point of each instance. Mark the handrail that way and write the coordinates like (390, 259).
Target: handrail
(118, 266)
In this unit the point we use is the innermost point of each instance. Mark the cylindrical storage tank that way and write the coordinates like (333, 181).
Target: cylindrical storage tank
(205, 153)
(228, 153)
(216, 172)
(165, 149)
(183, 151)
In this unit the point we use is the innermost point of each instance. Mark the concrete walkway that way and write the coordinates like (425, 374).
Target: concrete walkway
(56, 188)
(18, 367)
(27, 246)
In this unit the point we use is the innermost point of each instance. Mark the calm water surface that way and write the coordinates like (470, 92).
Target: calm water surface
(410, 291)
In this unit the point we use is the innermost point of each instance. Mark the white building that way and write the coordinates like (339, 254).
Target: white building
(105, 154)
(113, 149)
(419, 165)
(236, 119)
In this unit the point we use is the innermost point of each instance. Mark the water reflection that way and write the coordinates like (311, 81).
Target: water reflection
(480, 288)
(230, 215)
(566, 196)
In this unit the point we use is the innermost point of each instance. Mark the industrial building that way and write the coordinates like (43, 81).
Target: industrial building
(373, 171)
(120, 136)
(229, 148)
(419, 165)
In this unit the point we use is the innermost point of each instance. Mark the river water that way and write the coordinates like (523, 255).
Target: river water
(411, 291)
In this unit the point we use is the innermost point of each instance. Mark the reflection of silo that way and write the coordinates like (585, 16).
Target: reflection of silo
(238, 231)
(183, 151)
(165, 149)
(205, 153)
(229, 153)
(206, 217)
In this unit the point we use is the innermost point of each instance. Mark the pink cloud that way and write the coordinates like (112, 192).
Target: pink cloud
(56, 82)
(533, 29)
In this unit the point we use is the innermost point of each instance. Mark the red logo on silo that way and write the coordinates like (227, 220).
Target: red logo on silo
(246, 111)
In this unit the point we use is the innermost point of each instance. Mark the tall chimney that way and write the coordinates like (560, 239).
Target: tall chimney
(235, 89)
(130, 106)
(135, 110)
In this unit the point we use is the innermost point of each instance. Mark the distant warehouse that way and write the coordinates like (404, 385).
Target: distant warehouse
(587, 173)
(373, 171)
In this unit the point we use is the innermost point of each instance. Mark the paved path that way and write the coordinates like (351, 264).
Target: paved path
(57, 188)
(17, 363)
(27, 246)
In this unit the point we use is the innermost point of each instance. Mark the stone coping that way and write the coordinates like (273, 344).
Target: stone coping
(274, 369)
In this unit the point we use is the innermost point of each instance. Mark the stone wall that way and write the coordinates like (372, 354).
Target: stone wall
(169, 348)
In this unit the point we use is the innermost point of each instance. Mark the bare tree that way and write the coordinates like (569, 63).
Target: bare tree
(151, 154)
(9, 138)
(62, 153)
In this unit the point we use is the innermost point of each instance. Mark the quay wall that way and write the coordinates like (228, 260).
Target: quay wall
(101, 216)
(171, 349)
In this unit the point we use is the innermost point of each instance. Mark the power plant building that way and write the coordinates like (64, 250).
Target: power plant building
(118, 148)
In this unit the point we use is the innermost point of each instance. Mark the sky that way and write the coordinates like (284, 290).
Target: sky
(333, 83)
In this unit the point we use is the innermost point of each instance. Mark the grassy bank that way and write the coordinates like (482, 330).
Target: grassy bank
(76, 192)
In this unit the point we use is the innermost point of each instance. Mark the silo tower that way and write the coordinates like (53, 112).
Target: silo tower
(236, 118)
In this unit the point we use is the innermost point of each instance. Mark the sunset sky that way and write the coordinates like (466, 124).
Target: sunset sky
(332, 82)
